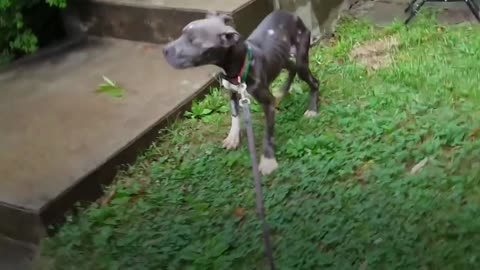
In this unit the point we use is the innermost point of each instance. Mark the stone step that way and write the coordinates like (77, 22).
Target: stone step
(16, 255)
(159, 21)
(60, 140)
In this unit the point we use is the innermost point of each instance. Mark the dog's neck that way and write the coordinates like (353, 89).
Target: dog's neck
(234, 60)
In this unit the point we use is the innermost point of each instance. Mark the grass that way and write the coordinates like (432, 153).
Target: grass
(343, 197)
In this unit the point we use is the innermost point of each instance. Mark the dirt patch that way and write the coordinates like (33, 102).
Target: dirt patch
(375, 54)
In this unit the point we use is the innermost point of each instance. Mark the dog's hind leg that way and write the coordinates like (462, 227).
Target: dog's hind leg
(285, 88)
(304, 72)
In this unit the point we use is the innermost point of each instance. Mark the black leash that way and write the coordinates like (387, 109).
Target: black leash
(245, 104)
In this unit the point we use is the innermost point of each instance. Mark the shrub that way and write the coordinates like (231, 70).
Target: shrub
(16, 35)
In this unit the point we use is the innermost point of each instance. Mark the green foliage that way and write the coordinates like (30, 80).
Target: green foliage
(214, 103)
(15, 35)
(57, 3)
(344, 196)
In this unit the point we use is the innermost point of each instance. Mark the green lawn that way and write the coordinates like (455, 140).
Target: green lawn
(344, 196)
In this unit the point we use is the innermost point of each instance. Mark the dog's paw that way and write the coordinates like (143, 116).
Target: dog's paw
(232, 141)
(310, 114)
(267, 165)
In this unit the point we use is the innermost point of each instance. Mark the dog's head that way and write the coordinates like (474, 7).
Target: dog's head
(202, 42)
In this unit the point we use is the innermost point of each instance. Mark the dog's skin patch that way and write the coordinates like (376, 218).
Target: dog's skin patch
(233, 139)
(310, 114)
(267, 165)
(271, 32)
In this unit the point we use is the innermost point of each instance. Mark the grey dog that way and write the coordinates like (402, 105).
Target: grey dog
(269, 49)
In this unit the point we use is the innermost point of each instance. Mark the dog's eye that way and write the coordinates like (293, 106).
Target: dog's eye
(193, 41)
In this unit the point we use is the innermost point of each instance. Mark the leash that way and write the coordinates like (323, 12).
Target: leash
(244, 101)
(245, 104)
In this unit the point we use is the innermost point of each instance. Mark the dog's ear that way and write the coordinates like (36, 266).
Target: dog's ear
(227, 19)
(211, 14)
(229, 38)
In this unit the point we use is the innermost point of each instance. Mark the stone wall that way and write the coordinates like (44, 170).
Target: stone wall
(319, 15)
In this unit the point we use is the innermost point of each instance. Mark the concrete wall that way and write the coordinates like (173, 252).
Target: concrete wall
(319, 15)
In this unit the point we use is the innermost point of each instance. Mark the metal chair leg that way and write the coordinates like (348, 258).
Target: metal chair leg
(409, 7)
(413, 8)
(414, 11)
(473, 8)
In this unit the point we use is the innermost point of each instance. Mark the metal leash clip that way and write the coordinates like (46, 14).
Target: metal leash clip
(244, 100)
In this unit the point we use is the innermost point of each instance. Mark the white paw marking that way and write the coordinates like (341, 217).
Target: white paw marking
(271, 32)
(233, 139)
(267, 165)
(310, 114)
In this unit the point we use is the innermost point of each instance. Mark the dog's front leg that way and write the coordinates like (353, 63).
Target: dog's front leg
(268, 163)
(233, 139)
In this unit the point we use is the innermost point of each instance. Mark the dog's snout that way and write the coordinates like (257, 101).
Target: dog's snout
(169, 51)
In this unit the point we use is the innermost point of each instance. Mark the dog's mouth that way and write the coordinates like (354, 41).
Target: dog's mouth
(178, 63)
(174, 59)
(181, 61)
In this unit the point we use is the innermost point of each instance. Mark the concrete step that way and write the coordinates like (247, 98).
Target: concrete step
(159, 21)
(60, 140)
(15, 255)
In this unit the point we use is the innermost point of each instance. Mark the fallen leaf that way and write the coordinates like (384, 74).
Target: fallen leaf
(110, 88)
(419, 165)
(240, 212)
(475, 134)
(148, 47)
(108, 198)
(136, 197)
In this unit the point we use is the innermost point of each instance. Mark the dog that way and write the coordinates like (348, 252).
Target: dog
(280, 41)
